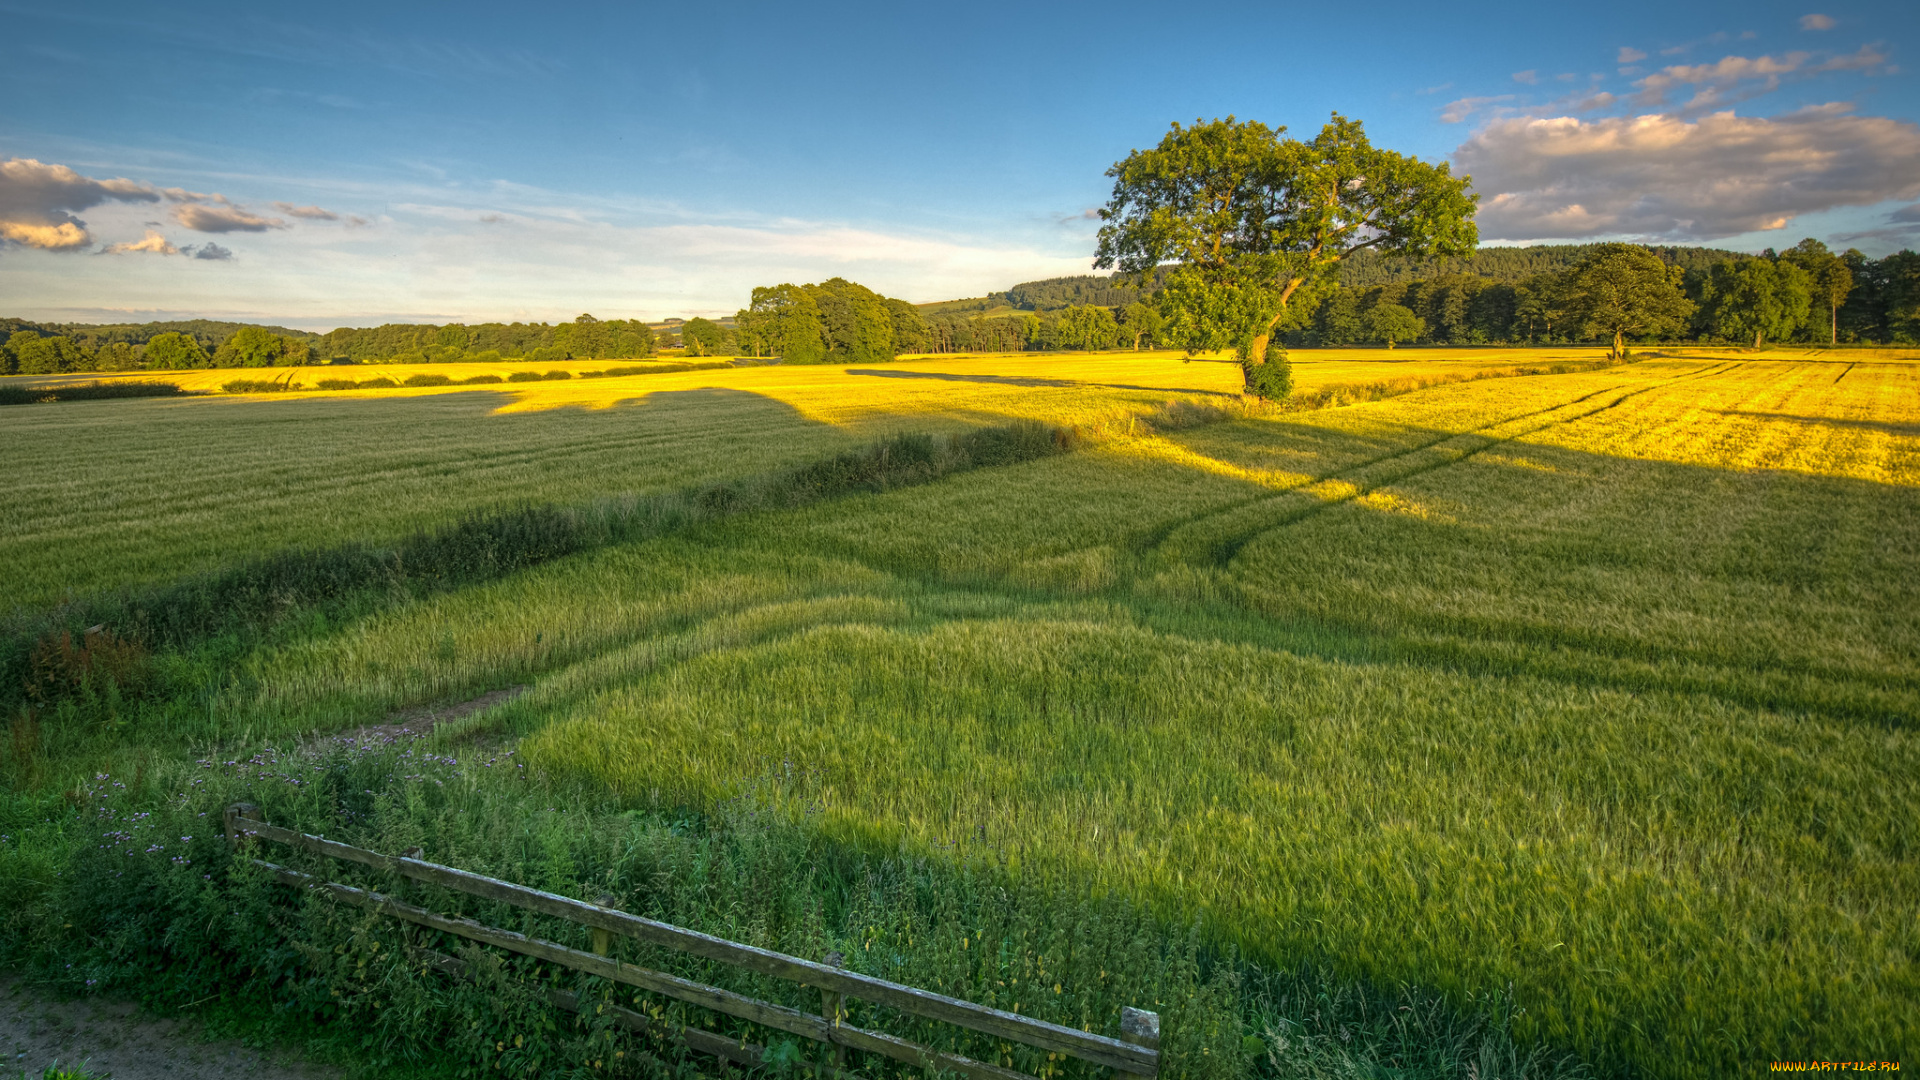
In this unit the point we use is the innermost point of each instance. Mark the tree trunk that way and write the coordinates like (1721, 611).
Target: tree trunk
(1258, 355)
(1619, 339)
(1756, 341)
(1835, 340)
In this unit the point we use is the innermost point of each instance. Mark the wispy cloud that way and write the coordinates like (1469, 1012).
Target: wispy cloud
(1629, 56)
(154, 244)
(1735, 78)
(1453, 112)
(1667, 177)
(311, 213)
(1529, 77)
(213, 252)
(223, 219)
(1817, 22)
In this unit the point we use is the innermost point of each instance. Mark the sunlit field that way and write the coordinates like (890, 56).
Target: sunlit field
(154, 488)
(1598, 685)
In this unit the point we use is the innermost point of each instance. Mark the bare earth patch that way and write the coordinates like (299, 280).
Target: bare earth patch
(417, 722)
(113, 1038)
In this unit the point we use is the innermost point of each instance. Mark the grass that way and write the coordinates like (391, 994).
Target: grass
(1597, 688)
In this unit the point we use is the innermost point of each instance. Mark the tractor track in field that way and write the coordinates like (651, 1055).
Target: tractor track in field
(1222, 551)
(1155, 537)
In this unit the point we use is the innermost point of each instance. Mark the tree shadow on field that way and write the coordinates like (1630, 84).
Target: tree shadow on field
(1903, 430)
(1768, 587)
(1032, 380)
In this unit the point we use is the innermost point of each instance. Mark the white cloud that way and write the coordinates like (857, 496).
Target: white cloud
(1816, 22)
(154, 244)
(38, 201)
(1530, 77)
(1667, 177)
(1629, 56)
(223, 219)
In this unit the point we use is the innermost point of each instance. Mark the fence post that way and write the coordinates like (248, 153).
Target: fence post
(236, 813)
(602, 939)
(1140, 1027)
(833, 1009)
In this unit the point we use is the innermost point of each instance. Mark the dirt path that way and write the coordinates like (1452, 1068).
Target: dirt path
(115, 1039)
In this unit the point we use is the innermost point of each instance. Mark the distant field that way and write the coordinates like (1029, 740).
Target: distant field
(156, 488)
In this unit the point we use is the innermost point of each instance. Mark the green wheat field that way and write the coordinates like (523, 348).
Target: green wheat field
(1594, 688)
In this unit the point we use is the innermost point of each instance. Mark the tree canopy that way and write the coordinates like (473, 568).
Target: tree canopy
(1622, 289)
(1251, 221)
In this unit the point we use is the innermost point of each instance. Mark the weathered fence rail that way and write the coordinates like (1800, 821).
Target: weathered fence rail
(1136, 1053)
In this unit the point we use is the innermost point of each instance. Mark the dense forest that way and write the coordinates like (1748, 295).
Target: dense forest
(1496, 295)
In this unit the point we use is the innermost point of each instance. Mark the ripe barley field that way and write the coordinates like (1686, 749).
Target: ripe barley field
(1599, 685)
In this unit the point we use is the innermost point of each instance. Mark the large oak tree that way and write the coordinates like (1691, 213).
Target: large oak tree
(1254, 224)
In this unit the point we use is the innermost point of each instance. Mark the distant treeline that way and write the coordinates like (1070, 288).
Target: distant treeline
(47, 349)
(1804, 294)
(1495, 296)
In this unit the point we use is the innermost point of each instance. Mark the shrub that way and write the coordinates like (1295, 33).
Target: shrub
(336, 384)
(478, 379)
(376, 384)
(524, 376)
(558, 375)
(1272, 379)
(254, 386)
(426, 380)
(37, 395)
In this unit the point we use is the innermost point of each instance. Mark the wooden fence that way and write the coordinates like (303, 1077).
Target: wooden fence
(1136, 1053)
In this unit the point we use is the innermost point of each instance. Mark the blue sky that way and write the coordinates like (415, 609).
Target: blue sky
(321, 165)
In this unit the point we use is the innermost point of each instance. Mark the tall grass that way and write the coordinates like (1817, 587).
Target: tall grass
(134, 890)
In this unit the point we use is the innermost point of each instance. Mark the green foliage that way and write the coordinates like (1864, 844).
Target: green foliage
(251, 346)
(1252, 219)
(1390, 323)
(855, 320)
(783, 321)
(1757, 299)
(36, 355)
(1087, 327)
(1509, 265)
(175, 351)
(1829, 279)
(702, 337)
(1271, 379)
(1621, 289)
